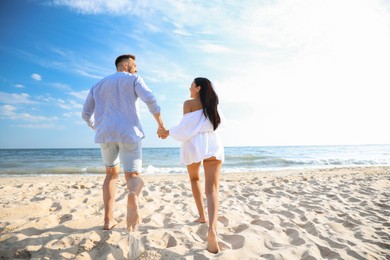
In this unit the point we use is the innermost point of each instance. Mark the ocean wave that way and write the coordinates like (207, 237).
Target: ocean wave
(153, 170)
(166, 161)
(291, 162)
(53, 170)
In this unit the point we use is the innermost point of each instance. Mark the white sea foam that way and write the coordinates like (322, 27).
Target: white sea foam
(158, 161)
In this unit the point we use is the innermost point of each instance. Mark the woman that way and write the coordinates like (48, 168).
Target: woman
(201, 143)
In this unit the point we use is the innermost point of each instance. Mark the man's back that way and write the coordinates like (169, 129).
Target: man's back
(113, 103)
(115, 100)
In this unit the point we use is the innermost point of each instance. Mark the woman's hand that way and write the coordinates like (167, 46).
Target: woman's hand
(162, 133)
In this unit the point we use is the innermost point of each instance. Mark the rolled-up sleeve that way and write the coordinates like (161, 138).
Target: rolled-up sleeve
(146, 95)
(88, 109)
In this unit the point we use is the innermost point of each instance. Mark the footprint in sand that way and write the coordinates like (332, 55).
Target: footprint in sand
(310, 228)
(327, 253)
(236, 241)
(55, 206)
(89, 242)
(65, 218)
(333, 244)
(202, 231)
(285, 213)
(163, 239)
(294, 236)
(38, 198)
(223, 220)
(241, 228)
(263, 223)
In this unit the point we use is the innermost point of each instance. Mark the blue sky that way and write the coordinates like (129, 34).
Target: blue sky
(288, 72)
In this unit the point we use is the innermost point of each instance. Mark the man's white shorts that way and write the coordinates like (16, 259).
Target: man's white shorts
(128, 154)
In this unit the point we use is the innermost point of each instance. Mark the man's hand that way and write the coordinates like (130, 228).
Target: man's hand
(162, 133)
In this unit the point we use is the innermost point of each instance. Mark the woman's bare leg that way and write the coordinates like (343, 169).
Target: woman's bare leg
(193, 170)
(109, 191)
(212, 169)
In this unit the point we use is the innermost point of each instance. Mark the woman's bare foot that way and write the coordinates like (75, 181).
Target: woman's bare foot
(212, 242)
(200, 220)
(133, 218)
(109, 224)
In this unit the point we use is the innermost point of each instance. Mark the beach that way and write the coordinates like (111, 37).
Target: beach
(323, 213)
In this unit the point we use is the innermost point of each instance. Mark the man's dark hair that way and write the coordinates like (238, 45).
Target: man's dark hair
(123, 57)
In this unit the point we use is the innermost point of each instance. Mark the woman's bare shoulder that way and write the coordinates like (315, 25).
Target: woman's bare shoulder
(191, 105)
(194, 103)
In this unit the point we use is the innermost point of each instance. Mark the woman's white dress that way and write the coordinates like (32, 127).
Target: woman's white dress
(199, 140)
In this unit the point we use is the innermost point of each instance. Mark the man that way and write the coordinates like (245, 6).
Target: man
(110, 109)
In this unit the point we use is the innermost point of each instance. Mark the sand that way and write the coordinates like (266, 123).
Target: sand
(336, 213)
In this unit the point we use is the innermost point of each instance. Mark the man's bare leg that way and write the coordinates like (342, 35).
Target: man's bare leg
(135, 185)
(109, 190)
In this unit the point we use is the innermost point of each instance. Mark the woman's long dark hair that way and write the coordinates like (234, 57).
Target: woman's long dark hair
(209, 100)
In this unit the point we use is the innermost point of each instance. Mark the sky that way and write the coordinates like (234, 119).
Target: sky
(287, 72)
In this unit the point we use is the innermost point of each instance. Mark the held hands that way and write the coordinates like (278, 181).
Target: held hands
(162, 133)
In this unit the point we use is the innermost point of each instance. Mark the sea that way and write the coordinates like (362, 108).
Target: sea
(33, 162)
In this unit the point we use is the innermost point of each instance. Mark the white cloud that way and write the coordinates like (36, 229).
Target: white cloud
(298, 72)
(289, 71)
(6, 109)
(71, 104)
(15, 98)
(87, 74)
(79, 94)
(181, 32)
(63, 60)
(68, 60)
(170, 73)
(60, 86)
(58, 102)
(212, 47)
(37, 126)
(10, 112)
(97, 6)
(323, 80)
(19, 86)
(36, 76)
(73, 114)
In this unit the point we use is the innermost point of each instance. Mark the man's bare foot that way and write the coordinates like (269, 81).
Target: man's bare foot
(109, 224)
(200, 220)
(133, 218)
(212, 242)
